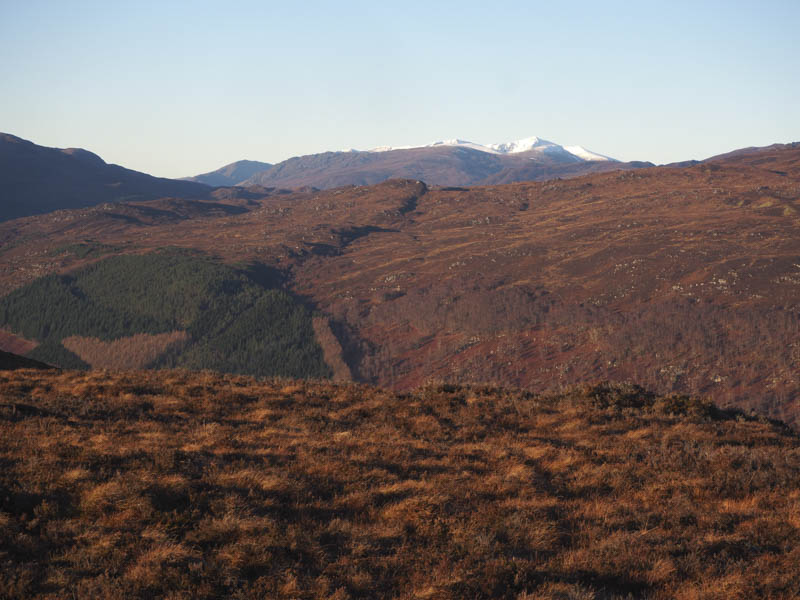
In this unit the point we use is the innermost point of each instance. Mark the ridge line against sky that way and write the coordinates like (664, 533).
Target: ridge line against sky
(179, 88)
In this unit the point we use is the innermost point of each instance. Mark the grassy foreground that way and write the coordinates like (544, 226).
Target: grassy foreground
(185, 485)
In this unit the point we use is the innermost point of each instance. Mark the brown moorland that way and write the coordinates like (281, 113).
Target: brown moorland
(684, 279)
(199, 485)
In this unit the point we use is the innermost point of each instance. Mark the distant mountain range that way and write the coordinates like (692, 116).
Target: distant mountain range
(35, 179)
(531, 144)
(448, 163)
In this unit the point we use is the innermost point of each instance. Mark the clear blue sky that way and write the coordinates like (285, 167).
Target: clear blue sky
(179, 88)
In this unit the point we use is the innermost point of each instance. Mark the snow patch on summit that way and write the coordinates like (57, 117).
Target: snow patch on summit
(463, 144)
(529, 144)
(525, 145)
(585, 154)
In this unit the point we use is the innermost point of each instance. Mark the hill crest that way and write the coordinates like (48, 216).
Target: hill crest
(36, 179)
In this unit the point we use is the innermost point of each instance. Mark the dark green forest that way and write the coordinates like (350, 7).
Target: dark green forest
(235, 321)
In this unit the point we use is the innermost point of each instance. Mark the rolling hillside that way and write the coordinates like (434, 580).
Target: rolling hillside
(681, 278)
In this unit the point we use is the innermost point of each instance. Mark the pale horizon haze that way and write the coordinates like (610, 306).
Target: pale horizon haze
(180, 88)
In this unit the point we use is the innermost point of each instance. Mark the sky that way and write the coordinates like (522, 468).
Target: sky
(180, 88)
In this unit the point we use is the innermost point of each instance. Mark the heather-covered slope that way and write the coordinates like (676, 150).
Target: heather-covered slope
(171, 484)
(35, 179)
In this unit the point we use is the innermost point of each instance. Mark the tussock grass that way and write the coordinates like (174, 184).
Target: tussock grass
(198, 485)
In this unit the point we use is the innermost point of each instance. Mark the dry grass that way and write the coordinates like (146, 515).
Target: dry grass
(179, 485)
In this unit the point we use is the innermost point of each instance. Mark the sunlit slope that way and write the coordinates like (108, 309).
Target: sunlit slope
(172, 484)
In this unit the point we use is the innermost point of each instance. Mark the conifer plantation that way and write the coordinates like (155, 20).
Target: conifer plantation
(165, 309)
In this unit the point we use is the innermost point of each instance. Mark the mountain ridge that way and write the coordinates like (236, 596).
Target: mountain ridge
(449, 162)
(446, 164)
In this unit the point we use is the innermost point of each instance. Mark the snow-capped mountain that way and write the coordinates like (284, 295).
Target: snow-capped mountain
(585, 154)
(454, 162)
(530, 144)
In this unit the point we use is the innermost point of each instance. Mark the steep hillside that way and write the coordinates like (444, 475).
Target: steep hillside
(35, 179)
(179, 485)
(683, 279)
(164, 309)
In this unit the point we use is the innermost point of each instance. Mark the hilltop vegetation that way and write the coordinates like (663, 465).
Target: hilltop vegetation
(181, 485)
(224, 318)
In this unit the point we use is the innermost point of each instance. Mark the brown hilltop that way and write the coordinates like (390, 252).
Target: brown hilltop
(683, 279)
